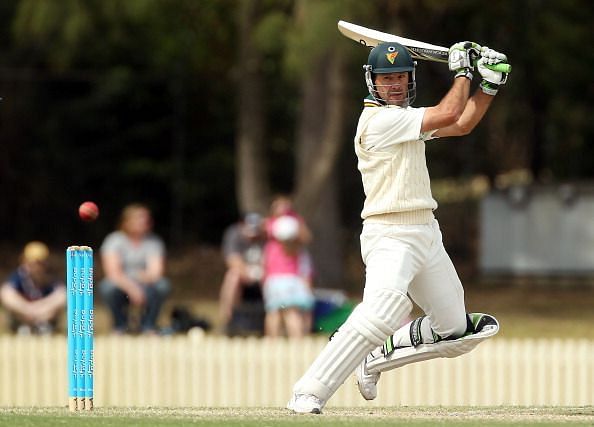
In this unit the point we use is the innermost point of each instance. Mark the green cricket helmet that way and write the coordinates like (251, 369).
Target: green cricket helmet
(390, 57)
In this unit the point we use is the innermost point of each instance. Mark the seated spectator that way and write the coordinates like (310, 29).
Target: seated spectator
(133, 260)
(240, 307)
(288, 272)
(32, 295)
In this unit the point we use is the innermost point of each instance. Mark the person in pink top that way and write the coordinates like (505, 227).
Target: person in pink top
(288, 272)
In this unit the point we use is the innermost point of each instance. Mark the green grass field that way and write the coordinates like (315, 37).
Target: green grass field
(268, 417)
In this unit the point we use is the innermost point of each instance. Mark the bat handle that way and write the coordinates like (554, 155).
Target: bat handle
(504, 68)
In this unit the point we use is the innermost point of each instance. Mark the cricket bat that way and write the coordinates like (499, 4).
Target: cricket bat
(418, 50)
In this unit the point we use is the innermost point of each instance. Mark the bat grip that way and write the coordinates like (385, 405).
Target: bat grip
(504, 68)
(474, 56)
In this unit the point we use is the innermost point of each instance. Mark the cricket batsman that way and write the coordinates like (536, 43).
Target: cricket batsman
(401, 242)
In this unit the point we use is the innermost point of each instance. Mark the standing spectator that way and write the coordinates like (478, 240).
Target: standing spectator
(288, 272)
(32, 295)
(133, 260)
(240, 305)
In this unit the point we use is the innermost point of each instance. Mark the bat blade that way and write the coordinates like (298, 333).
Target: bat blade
(418, 50)
(369, 37)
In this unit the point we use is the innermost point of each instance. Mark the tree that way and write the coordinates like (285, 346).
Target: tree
(125, 85)
(252, 180)
(321, 132)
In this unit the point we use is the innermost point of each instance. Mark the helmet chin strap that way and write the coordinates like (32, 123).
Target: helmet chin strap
(370, 85)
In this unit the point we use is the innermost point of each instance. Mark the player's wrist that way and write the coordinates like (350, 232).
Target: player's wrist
(463, 72)
(489, 88)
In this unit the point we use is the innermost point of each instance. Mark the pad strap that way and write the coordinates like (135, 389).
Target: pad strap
(480, 327)
(416, 337)
(388, 347)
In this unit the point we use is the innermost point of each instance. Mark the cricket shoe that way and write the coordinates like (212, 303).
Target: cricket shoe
(305, 404)
(366, 382)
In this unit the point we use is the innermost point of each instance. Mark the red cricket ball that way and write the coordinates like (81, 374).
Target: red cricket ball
(88, 211)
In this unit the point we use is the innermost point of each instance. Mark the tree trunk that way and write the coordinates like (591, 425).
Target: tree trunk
(252, 171)
(320, 138)
(179, 142)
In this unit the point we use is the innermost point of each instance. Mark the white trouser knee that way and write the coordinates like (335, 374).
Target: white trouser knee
(372, 321)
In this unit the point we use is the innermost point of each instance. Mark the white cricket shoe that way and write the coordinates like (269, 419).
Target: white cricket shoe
(366, 382)
(305, 404)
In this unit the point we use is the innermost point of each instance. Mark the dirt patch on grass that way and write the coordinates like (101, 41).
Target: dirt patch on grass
(569, 415)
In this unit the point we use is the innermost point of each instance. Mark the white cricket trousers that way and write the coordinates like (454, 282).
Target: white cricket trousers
(399, 259)
(412, 259)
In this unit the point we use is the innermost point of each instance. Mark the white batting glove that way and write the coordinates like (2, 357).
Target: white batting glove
(492, 56)
(459, 58)
(491, 79)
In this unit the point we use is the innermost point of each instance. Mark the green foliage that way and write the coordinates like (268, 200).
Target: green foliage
(123, 100)
(120, 77)
(313, 32)
(269, 34)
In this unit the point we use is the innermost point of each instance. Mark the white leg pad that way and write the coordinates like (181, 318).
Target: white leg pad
(372, 321)
(486, 326)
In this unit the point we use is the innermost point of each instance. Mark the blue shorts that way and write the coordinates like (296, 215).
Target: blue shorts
(285, 291)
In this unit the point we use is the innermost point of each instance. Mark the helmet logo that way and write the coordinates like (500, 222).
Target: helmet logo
(391, 57)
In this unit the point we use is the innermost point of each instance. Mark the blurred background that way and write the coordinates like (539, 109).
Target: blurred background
(205, 109)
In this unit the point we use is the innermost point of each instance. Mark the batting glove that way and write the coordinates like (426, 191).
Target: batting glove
(460, 58)
(491, 79)
(492, 56)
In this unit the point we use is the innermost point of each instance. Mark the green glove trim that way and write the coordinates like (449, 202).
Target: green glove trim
(489, 88)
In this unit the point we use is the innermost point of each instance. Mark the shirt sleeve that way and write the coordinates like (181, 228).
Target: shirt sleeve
(426, 136)
(393, 125)
(111, 243)
(231, 241)
(14, 281)
(155, 245)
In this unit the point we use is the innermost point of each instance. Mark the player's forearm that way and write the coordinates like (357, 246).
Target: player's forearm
(449, 109)
(475, 109)
(455, 100)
